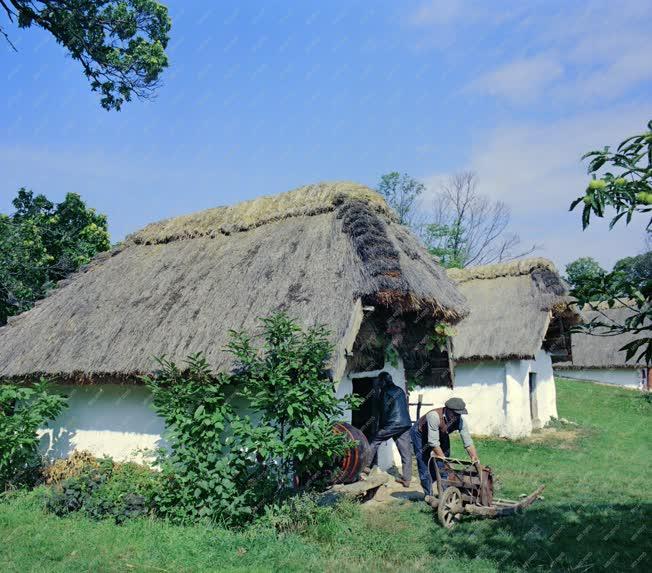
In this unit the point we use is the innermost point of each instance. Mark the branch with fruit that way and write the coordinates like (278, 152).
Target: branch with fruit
(628, 189)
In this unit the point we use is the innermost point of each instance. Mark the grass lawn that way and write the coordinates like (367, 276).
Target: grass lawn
(596, 515)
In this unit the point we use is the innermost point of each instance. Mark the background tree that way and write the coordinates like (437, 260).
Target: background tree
(582, 271)
(468, 228)
(635, 269)
(41, 243)
(401, 193)
(624, 192)
(120, 44)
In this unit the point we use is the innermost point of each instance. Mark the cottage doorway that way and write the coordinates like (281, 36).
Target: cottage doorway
(364, 417)
(532, 383)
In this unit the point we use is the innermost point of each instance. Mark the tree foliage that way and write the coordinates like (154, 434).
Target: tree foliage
(622, 185)
(583, 270)
(636, 269)
(401, 193)
(120, 44)
(43, 242)
(203, 477)
(23, 410)
(468, 228)
(227, 467)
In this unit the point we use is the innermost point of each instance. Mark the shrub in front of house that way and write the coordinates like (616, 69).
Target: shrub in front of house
(204, 474)
(102, 488)
(226, 468)
(23, 410)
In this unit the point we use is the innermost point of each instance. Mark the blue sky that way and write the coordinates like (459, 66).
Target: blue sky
(262, 97)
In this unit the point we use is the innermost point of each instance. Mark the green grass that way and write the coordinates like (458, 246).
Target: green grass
(596, 515)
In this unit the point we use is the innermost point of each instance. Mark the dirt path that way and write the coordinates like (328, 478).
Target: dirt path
(394, 493)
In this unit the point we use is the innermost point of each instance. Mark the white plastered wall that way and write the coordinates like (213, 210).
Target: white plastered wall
(106, 419)
(625, 377)
(497, 395)
(481, 386)
(546, 391)
(519, 419)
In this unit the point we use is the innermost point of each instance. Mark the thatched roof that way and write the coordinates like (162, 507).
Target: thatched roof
(178, 286)
(591, 351)
(512, 306)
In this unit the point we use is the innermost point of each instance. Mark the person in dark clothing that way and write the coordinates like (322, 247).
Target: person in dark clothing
(430, 437)
(393, 424)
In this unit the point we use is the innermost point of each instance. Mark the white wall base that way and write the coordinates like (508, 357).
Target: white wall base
(546, 391)
(625, 377)
(113, 420)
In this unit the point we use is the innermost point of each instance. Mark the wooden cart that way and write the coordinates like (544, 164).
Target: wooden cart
(469, 488)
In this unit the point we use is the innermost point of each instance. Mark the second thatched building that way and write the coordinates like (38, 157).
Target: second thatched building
(503, 351)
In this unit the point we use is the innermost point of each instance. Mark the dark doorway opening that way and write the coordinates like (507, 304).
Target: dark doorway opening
(532, 379)
(365, 416)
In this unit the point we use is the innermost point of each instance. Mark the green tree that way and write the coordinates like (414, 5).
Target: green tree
(621, 185)
(401, 193)
(120, 44)
(41, 243)
(635, 269)
(583, 270)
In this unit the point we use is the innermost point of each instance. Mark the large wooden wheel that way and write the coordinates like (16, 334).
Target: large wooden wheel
(450, 507)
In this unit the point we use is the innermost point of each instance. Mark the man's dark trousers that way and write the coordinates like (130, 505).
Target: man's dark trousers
(404, 446)
(422, 452)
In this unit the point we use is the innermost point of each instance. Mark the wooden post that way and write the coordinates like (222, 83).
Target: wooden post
(419, 403)
(451, 361)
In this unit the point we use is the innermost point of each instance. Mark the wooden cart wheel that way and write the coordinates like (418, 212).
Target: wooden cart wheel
(450, 507)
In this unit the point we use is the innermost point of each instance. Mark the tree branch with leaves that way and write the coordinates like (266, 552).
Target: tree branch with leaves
(120, 44)
(620, 187)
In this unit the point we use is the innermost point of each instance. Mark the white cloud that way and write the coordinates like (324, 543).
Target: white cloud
(535, 168)
(542, 159)
(556, 52)
(520, 80)
(437, 12)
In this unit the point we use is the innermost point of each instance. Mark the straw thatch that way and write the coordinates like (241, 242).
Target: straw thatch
(590, 351)
(513, 306)
(178, 286)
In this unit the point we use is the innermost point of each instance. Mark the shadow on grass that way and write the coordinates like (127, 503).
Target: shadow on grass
(579, 538)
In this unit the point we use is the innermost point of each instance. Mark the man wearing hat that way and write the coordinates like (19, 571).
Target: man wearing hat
(430, 437)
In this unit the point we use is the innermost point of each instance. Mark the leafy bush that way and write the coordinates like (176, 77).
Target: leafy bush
(105, 489)
(287, 384)
(226, 468)
(23, 410)
(202, 478)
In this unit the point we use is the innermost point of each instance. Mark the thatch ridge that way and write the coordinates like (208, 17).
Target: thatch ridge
(512, 305)
(591, 351)
(514, 268)
(156, 295)
(307, 200)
